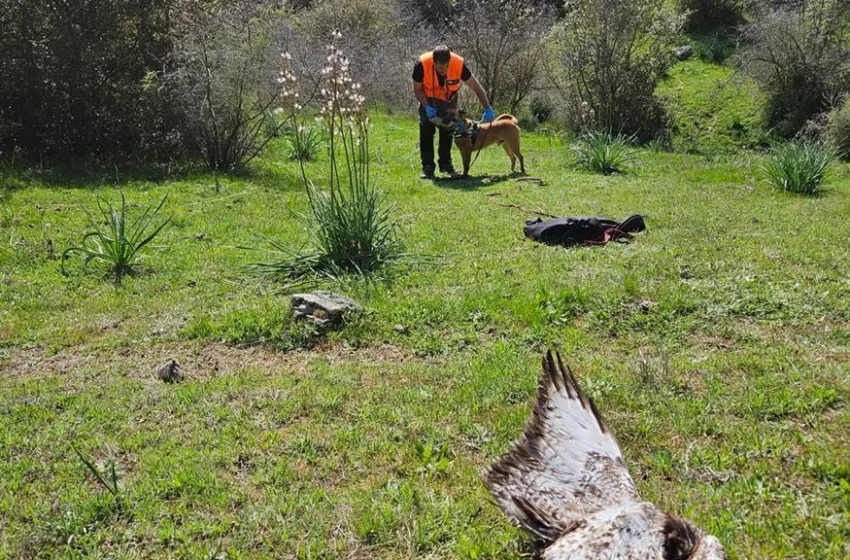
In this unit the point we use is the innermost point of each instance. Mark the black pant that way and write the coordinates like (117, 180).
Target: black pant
(426, 144)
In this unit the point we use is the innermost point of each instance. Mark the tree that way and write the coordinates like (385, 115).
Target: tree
(225, 82)
(504, 41)
(800, 54)
(72, 77)
(610, 56)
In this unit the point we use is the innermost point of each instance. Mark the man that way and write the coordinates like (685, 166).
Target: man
(437, 78)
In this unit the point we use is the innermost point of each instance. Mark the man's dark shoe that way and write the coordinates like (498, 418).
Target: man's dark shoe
(427, 173)
(450, 171)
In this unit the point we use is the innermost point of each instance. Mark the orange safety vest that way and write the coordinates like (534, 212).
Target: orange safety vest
(430, 82)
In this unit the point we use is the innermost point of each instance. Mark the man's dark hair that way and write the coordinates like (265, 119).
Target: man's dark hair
(442, 54)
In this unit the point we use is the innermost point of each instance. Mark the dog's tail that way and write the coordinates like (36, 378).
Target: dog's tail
(506, 117)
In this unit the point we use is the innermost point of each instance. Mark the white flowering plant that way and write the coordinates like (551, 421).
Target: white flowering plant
(351, 222)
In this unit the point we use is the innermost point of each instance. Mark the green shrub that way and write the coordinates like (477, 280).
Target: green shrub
(608, 58)
(120, 243)
(710, 15)
(716, 48)
(541, 108)
(74, 79)
(799, 167)
(838, 129)
(225, 82)
(797, 53)
(602, 152)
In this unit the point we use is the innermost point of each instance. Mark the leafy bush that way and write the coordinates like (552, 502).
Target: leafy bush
(541, 108)
(716, 48)
(799, 167)
(710, 15)
(225, 79)
(838, 128)
(122, 240)
(75, 79)
(504, 44)
(602, 152)
(351, 222)
(611, 55)
(382, 37)
(798, 52)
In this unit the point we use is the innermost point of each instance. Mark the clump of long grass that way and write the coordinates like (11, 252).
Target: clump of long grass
(120, 241)
(107, 477)
(304, 143)
(602, 152)
(350, 221)
(799, 167)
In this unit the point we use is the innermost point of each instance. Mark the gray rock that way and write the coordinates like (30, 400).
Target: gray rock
(170, 372)
(683, 53)
(322, 308)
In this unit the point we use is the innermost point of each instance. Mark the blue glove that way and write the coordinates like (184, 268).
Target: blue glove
(489, 115)
(430, 112)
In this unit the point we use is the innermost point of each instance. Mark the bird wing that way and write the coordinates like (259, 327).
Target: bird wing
(567, 464)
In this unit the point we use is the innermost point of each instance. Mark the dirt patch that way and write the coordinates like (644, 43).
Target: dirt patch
(197, 361)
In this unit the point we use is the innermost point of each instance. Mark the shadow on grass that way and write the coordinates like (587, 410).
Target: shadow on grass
(86, 175)
(282, 178)
(467, 183)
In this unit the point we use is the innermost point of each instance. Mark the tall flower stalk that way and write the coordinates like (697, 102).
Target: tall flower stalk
(347, 122)
(350, 220)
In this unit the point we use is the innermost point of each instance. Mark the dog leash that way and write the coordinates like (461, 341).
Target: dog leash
(518, 207)
(486, 132)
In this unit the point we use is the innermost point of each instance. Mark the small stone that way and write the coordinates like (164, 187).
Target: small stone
(646, 305)
(323, 308)
(170, 372)
(683, 52)
(401, 329)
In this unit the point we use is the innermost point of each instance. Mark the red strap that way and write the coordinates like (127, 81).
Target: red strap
(611, 234)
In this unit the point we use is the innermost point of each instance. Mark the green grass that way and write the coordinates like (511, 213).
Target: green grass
(713, 108)
(716, 344)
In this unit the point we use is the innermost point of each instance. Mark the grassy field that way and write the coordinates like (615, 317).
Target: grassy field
(717, 345)
(715, 109)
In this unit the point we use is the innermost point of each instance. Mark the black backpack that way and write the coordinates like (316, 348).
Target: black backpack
(582, 230)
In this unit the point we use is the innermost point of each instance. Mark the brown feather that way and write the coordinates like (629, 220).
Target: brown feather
(505, 477)
(680, 539)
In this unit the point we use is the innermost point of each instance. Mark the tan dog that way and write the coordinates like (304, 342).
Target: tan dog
(504, 130)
